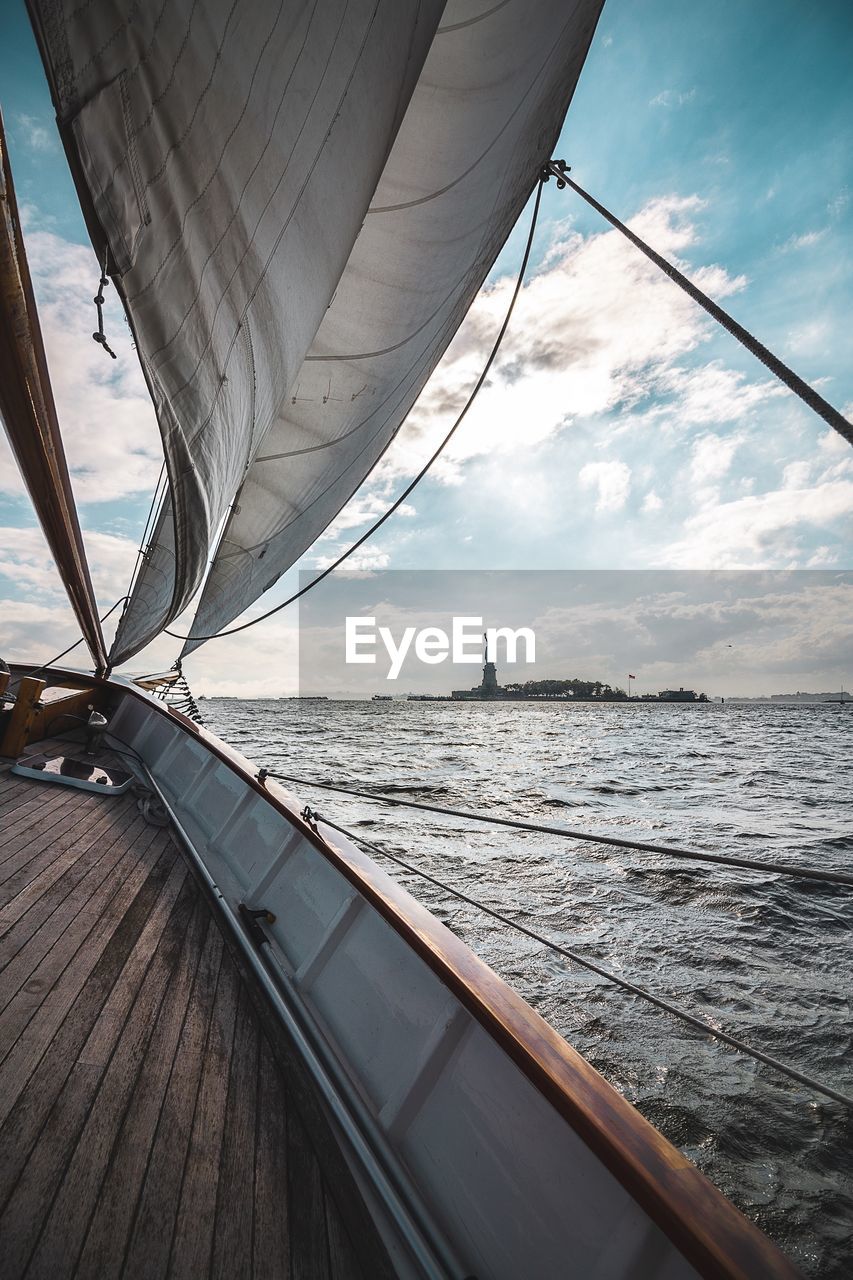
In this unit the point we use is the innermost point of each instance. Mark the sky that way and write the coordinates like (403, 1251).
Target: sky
(620, 429)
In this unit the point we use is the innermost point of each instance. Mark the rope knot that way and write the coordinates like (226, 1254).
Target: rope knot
(98, 300)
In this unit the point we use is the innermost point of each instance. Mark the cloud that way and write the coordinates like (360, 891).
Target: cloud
(27, 563)
(364, 509)
(601, 348)
(810, 339)
(107, 420)
(221, 668)
(672, 98)
(34, 632)
(370, 556)
(803, 241)
(37, 136)
(759, 530)
(261, 663)
(598, 329)
(822, 557)
(712, 394)
(838, 205)
(832, 443)
(711, 458)
(748, 632)
(796, 475)
(611, 482)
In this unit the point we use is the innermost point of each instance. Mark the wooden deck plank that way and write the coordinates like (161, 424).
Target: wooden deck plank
(18, 1058)
(150, 1245)
(35, 969)
(32, 821)
(50, 1206)
(36, 844)
(99, 1045)
(13, 793)
(112, 1222)
(47, 863)
(234, 1224)
(48, 884)
(64, 1230)
(146, 1128)
(306, 1208)
(193, 1239)
(34, 1191)
(271, 1217)
(343, 1260)
(40, 807)
(38, 1093)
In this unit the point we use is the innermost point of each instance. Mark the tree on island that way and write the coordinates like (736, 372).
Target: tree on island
(590, 689)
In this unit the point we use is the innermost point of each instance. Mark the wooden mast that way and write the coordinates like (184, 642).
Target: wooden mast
(29, 415)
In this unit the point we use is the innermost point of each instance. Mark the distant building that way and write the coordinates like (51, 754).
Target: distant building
(678, 695)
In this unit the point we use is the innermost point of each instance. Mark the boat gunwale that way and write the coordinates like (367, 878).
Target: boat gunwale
(711, 1233)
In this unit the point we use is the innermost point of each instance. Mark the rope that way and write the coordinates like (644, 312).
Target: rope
(424, 469)
(99, 336)
(176, 693)
(668, 1007)
(148, 525)
(729, 860)
(830, 415)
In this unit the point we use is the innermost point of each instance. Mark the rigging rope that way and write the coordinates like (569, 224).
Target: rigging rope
(99, 336)
(560, 170)
(149, 524)
(175, 691)
(666, 1005)
(730, 860)
(231, 631)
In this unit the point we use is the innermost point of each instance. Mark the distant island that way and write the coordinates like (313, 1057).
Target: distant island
(840, 696)
(575, 690)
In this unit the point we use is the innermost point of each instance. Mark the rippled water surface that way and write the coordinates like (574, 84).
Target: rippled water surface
(765, 956)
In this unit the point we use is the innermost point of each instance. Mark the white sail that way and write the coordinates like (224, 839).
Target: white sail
(226, 154)
(298, 202)
(484, 116)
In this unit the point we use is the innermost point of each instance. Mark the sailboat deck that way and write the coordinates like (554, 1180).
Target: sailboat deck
(145, 1126)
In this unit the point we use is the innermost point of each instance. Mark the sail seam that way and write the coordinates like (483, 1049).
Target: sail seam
(190, 207)
(411, 375)
(472, 22)
(155, 102)
(206, 423)
(434, 195)
(96, 57)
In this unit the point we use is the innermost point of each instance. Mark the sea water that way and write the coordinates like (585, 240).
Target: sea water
(764, 956)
